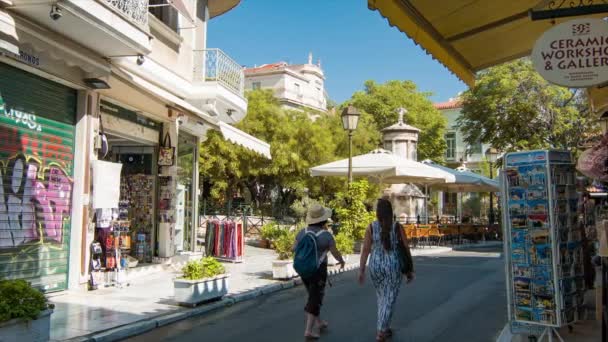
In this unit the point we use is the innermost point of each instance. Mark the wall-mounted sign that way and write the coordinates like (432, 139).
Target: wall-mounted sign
(573, 54)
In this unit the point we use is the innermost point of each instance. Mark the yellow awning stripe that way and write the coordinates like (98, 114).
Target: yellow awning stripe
(397, 15)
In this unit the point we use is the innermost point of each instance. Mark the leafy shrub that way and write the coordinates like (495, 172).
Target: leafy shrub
(204, 268)
(300, 207)
(18, 299)
(351, 212)
(284, 245)
(212, 267)
(344, 243)
(272, 231)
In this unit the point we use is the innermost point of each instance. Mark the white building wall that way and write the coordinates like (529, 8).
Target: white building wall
(292, 86)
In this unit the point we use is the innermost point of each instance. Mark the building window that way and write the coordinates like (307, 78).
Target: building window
(388, 145)
(298, 90)
(165, 13)
(475, 148)
(256, 85)
(450, 152)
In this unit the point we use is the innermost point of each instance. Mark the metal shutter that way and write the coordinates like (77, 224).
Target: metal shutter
(36, 169)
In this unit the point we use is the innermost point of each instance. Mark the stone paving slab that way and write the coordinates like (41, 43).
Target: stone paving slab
(112, 314)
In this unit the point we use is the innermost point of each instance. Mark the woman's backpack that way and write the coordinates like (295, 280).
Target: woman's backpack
(306, 257)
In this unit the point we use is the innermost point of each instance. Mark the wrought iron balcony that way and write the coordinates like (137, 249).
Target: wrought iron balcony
(213, 65)
(134, 10)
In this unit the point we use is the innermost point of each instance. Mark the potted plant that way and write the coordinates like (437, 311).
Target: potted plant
(202, 280)
(267, 233)
(25, 314)
(282, 268)
(345, 245)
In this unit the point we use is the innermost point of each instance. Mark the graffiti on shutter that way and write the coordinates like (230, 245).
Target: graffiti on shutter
(36, 157)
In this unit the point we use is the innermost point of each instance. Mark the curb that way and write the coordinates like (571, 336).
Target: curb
(143, 326)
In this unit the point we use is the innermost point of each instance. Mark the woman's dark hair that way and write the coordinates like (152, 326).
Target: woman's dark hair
(384, 214)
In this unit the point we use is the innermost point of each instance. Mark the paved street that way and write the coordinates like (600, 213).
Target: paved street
(458, 296)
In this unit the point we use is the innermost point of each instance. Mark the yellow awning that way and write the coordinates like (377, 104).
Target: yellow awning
(468, 35)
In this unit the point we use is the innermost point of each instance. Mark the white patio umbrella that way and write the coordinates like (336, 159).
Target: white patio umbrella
(386, 167)
(465, 181)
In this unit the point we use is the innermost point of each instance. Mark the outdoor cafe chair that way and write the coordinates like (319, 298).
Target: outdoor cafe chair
(435, 235)
(422, 234)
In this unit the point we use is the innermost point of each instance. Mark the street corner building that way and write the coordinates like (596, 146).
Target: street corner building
(103, 105)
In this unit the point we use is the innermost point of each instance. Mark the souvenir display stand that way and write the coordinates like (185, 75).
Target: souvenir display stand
(137, 204)
(118, 247)
(544, 254)
(224, 240)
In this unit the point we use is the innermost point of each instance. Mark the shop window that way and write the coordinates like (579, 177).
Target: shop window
(164, 12)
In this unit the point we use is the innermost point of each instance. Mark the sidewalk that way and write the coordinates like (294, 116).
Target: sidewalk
(112, 313)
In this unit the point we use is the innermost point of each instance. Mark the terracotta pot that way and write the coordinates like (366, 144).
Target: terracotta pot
(264, 243)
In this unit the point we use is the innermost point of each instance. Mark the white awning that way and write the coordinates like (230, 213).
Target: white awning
(230, 133)
(248, 141)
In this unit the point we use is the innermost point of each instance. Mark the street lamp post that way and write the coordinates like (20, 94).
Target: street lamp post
(491, 156)
(350, 119)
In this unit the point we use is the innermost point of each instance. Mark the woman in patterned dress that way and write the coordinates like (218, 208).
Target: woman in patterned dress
(381, 241)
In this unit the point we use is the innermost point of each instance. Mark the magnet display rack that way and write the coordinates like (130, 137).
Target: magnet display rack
(544, 255)
(120, 248)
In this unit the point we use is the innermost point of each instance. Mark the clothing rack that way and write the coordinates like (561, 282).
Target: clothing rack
(224, 240)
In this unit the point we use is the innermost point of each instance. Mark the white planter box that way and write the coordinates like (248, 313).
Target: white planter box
(17, 330)
(191, 292)
(283, 269)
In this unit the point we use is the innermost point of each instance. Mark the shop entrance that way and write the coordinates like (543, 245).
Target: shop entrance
(137, 193)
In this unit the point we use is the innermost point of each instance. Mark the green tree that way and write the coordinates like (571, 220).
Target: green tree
(297, 143)
(512, 108)
(381, 101)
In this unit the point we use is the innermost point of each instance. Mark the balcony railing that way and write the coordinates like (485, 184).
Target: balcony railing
(134, 10)
(213, 65)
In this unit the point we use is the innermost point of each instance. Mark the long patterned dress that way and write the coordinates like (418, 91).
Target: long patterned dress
(385, 274)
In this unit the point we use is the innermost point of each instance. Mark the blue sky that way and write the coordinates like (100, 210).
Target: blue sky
(353, 43)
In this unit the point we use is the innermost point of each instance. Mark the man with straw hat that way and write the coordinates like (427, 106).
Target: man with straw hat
(317, 218)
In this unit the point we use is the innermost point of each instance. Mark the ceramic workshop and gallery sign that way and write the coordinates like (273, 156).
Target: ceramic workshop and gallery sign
(573, 54)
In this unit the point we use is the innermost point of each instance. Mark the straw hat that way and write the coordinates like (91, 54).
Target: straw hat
(317, 213)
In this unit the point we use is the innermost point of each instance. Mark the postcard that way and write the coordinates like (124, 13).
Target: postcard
(541, 254)
(521, 284)
(546, 302)
(519, 236)
(517, 194)
(544, 316)
(539, 236)
(523, 313)
(518, 222)
(538, 220)
(536, 194)
(513, 178)
(538, 206)
(517, 208)
(522, 271)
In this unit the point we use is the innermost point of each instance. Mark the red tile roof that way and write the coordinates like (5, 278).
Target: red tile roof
(266, 67)
(451, 104)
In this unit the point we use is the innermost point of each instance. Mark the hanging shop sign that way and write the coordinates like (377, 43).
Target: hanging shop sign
(573, 54)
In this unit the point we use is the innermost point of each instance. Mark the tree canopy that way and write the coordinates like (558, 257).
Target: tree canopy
(513, 108)
(297, 143)
(381, 101)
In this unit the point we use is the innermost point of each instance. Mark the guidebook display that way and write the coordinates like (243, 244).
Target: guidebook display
(544, 259)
